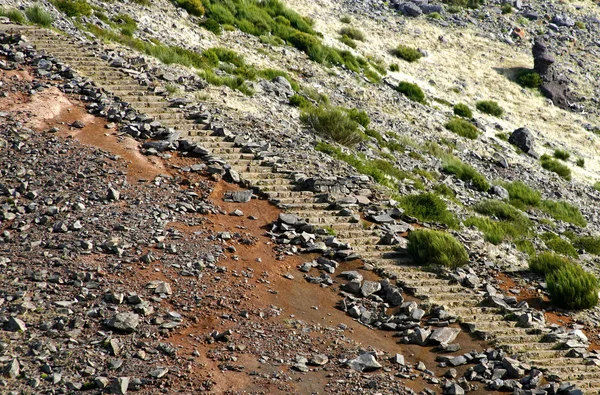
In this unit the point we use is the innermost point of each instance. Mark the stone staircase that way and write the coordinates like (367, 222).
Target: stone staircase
(281, 189)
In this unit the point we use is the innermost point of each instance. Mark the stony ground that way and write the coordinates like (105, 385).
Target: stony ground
(130, 271)
(122, 272)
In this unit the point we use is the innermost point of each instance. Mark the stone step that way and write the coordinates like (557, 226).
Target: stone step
(588, 386)
(288, 207)
(354, 234)
(327, 220)
(382, 254)
(546, 354)
(161, 116)
(252, 169)
(234, 156)
(486, 325)
(270, 182)
(280, 187)
(518, 347)
(197, 131)
(468, 314)
(523, 339)
(319, 213)
(288, 200)
(433, 289)
(562, 364)
(262, 176)
(356, 241)
(575, 374)
(502, 331)
(290, 194)
(216, 144)
(361, 248)
(146, 105)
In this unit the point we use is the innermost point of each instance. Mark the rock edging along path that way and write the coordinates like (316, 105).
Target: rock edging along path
(281, 187)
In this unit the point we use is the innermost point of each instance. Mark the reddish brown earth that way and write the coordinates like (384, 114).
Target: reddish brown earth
(284, 308)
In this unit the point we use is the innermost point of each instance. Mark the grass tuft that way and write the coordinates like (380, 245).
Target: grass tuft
(73, 8)
(563, 211)
(352, 33)
(407, 53)
(571, 287)
(38, 16)
(428, 207)
(462, 128)
(521, 195)
(529, 79)
(561, 154)
(411, 91)
(556, 167)
(559, 245)
(14, 15)
(462, 110)
(490, 107)
(194, 7)
(429, 247)
(466, 173)
(333, 123)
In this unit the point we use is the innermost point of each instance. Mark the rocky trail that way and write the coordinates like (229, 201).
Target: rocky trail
(151, 250)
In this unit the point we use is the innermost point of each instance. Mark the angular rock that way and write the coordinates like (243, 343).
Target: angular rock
(523, 139)
(444, 335)
(126, 322)
(364, 362)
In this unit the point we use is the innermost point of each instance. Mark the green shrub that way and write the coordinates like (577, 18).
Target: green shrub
(596, 186)
(462, 110)
(299, 101)
(559, 245)
(444, 190)
(428, 207)
(353, 33)
(411, 91)
(434, 15)
(359, 117)
(572, 287)
(521, 195)
(547, 262)
(332, 123)
(429, 247)
(563, 211)
(511, 222)
(590, 244)
(496, 232)
(506, 8)
(580, 162)
(489, 107)
(127, 24)
(194, 7)
(463, 3)
(345, 19)
(561, 154)
(394, 67)
(39, 16)
(499, 210)
(14, 15)
(382, 171)
(213, 26)
(529, 79)
(348, 41)
(465, 173)
(407, 53)
(556, 167)
(525, 245)
(462, 128)
(73, 8)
